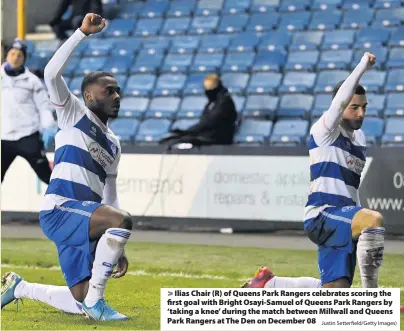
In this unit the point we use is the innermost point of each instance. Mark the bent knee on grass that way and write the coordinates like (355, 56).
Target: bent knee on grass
(106, 217)
(364, 219)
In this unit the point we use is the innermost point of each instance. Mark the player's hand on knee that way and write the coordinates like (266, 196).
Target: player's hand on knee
(122, 267)
(372, 59)
(92, 23)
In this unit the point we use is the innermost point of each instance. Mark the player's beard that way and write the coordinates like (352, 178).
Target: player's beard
(352, 125)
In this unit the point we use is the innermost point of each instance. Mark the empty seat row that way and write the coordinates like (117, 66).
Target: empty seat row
(288, 132)
(257, 83)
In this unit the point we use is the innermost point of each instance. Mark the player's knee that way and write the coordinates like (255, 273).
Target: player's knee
(127, 222)
(375, 220)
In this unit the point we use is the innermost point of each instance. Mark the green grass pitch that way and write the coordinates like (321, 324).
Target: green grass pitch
(153, 266)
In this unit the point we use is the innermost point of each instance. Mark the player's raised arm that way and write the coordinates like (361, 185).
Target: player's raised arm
(57, 88)
(345, 93)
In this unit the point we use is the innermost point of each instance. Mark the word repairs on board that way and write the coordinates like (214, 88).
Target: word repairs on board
(279, 309)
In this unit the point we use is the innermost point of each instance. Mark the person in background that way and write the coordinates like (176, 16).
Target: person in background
(79, 9)
(26, 111)
(217, 124)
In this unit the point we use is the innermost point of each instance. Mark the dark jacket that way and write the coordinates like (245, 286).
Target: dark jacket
(80, 8)
(218, 119)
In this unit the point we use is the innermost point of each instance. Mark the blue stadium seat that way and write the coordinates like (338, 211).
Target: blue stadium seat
(207, 62)
(176, 26)
(379, 52)
(43, 46)
(181, 8)
(304, 41)
(75, 86)
(298, 82)
(148, 27)
(373, 81)
(326, 4)
(133, 107)
(290, 132)
(269, 61)
(244, 42)
(152, 130)
(302, 60)
(203, 25)
(295, 105)
(356, 4)
(239, 102)
(371, 37)
(321, 104)
(379, 4)
(120, 28)
(389, 17)
(184, 124)
(121, 80)
(209, 7)
(276, 40)
(339, 39)
(294, 21)
(264, 82)
(154, 9)
(238, 62)
(192, 106)
(293, 5)
(335, 59)
(263, 22)
(97, 48)
(235, 82)
(118, 64)
(35, 63)
(395, 105)
(125, 129)
(157, 44)
(70, 67)
(162, 107)
(396, 58)
(147, 61)
(232, 23)
(43, 54)
(327, 80)
(357, 19)
(395, 81)
(177, 63)
(253, 132)
(169, 84)
(235, 6)
(139, 85)
(325, 20)
(263, 6)
(376, 104)
(216, 43)
(88, 64)
(397, 38)
(394, 132)
(126, 46)
(373, 130)
(194, 84)
(80, 49)
(261, 106)
(184, 44)
(130, 10)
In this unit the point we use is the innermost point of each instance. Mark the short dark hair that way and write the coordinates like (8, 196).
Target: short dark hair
(359, 89)
(92, 78)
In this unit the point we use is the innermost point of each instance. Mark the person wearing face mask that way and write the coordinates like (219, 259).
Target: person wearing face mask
(218, 121)
(26, 111)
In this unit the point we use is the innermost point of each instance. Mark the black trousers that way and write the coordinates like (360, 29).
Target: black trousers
(63, 26)
(30, 148)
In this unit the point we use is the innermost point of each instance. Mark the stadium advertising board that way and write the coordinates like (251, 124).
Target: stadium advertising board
(244, 187)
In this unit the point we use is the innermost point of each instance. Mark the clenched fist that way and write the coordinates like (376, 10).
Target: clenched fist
(92, 23)
(371, 59)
